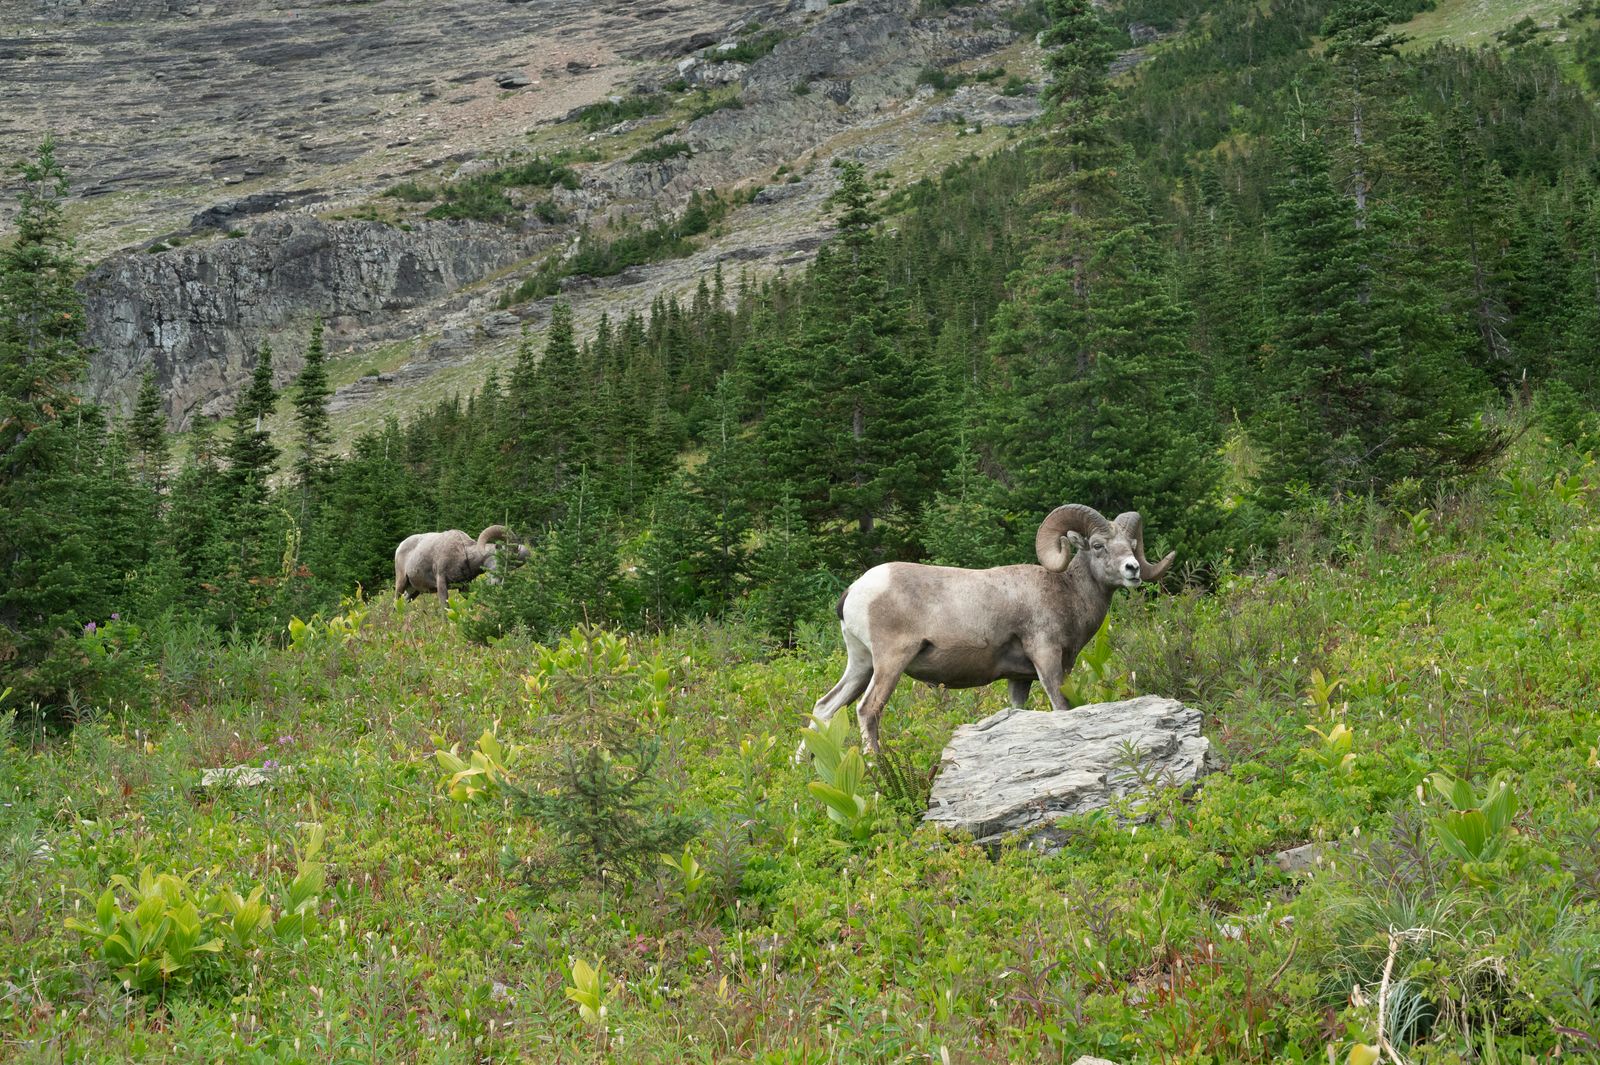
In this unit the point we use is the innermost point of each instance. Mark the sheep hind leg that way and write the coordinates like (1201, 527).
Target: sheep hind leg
(857, 675)
(886, 672)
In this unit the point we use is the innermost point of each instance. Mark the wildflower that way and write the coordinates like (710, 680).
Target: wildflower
(89, 629)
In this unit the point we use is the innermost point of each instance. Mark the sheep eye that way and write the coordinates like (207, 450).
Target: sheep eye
(1099, 547)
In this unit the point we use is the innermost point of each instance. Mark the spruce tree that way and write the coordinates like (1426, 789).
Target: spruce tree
(311, 393)
(251, 454)
(43, 548)
(859, 431)
(563, 399)
(42, 353)
(785, 571)
(148, 430)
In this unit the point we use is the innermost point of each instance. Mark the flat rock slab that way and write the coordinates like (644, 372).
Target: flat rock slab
(1022, 769)
(243, 776)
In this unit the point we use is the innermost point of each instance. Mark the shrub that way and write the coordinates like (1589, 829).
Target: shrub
(170, 937)
(657, 153)
(752, 47)
(571, 579)
(600, 798)
(413, 192)
(606, 113)
(1518, 33)
(940, 79)
(708, 104)
(482, 196)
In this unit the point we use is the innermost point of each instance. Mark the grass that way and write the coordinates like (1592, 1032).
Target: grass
(660, 151)
(482, 196)
(606, 255)
(1457, 639)
(607, 113)
(1474, 22)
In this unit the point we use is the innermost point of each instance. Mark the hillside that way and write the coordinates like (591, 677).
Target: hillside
(1458, 642)
(779, 294)
(273, 202)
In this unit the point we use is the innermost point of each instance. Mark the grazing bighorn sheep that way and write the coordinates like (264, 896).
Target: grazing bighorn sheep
(432, 562)
(963, 628)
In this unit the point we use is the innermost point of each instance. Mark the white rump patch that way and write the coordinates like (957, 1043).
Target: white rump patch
(859, 599)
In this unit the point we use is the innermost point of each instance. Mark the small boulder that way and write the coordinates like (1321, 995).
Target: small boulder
(1020, 770)
(243, 776)
(512, 79)
(1305, 859)
(706, 75)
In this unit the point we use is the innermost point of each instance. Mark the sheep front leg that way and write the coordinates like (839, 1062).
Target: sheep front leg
(442, 584)
(1047, 663)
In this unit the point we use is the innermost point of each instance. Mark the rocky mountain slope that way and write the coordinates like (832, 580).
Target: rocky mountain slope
(230, 160)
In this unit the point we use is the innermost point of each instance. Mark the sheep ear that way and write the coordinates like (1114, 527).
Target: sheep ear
(1076, 540)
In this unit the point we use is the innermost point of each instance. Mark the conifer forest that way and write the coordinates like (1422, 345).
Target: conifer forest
(1311, 285)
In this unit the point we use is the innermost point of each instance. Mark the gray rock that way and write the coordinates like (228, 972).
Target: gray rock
(197, 313)
(705, 75)
(512, 79)
(244, 776)
(499, 324)
(1022, 769)
(1304, 860)
(779, 193)
(976, 103)
(1143, 33)
(1087, 1060)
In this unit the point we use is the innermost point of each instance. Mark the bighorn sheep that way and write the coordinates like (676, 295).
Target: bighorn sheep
(432, 562)
(963, 628)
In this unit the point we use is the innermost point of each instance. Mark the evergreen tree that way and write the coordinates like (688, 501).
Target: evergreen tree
(789, 582)
(859, 433)
(261, 548)
(42, 354)
(148, 430)
(963, 525)
(563, 399)
(251, 454)
(719, 492)
(311, 393)
(1359, 40)
(44, 546)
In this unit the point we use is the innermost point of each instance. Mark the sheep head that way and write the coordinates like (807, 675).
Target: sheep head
(1132, 524)
(1113, 550)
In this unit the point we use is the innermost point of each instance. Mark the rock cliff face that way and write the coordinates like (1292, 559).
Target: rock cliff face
(197, 315)
(224, 125)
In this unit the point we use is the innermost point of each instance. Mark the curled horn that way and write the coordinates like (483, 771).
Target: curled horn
(1133, 525)
(494, 533)
(1051, 541)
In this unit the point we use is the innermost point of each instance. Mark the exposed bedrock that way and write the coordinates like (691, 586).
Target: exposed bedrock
(197, 315)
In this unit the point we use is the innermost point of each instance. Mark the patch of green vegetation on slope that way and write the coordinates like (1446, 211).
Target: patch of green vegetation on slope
(1474, 22)
(1456, 640)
